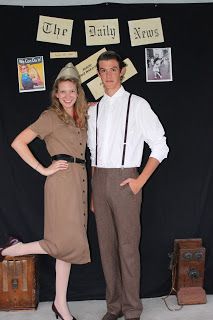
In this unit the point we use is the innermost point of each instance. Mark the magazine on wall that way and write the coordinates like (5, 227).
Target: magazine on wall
(31, 74)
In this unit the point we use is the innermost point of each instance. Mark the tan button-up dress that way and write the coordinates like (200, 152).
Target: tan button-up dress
(65, 192)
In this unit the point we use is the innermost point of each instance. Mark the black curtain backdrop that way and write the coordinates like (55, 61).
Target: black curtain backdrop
(177, 200)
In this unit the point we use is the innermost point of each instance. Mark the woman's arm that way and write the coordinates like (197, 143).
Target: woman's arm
(20, 145)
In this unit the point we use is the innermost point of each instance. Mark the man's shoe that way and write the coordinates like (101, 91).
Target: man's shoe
(133, 319)
(110, 316)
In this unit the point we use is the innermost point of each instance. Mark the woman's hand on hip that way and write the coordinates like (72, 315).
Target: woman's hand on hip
(55, 167)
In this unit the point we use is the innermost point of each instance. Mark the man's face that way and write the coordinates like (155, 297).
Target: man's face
(110, 74)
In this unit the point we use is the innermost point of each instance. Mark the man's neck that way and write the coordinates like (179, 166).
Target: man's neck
(111, 92)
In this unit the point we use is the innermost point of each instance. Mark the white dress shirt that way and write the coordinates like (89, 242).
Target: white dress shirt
(143, 126)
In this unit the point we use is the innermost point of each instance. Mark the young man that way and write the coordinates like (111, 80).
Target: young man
(118, 126)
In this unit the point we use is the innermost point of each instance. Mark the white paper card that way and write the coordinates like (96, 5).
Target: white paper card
(54, 30)
(145, 31)
(102, 32)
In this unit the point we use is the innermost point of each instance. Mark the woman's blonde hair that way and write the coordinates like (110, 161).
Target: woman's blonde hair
(80, 107)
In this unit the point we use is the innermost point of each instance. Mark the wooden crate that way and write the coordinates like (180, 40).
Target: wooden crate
(18, 283)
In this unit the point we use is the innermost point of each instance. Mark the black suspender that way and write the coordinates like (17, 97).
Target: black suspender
(125, 134)
(126, 127)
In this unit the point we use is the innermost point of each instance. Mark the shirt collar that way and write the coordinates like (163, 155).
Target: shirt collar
(118, 93)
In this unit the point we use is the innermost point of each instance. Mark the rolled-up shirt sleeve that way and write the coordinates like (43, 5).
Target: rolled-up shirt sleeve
(153, 132)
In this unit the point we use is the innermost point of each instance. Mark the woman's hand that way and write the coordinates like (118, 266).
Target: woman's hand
(53, 168)
(92, 204)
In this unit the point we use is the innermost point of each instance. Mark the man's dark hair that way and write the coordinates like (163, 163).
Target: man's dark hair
(111, 55)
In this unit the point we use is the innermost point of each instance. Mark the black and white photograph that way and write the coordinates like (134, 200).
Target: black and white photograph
(158, 64)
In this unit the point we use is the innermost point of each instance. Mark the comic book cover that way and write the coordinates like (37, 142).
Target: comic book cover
(31, 74)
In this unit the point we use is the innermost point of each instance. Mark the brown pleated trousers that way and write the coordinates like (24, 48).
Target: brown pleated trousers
(117, 213)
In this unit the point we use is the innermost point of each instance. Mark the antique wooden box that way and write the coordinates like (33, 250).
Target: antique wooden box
(18, 283)
(189, 271)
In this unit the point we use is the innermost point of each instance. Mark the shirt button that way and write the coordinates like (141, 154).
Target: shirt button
(83, 191)
(80, 144)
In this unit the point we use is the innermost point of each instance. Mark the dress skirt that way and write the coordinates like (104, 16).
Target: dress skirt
(65, 222)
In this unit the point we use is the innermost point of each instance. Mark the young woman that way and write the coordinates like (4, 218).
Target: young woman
(63, 128)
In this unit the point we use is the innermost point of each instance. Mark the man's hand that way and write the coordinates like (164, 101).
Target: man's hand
(133, 184)
(138, 183)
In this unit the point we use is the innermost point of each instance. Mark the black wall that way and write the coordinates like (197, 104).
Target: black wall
(177, 200)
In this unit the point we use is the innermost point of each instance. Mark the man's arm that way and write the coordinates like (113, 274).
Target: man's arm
(154, 136)
(139, 182)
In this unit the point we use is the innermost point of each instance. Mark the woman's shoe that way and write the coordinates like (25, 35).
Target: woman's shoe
(57, 314)
(10, 242)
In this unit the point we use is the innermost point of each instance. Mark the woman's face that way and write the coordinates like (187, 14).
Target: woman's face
(24, 68)
(67, 95)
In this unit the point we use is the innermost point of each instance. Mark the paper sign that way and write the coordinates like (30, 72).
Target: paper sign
(130, 70)
(96, 86)
(145, 31)
(67, 54)
(102, 32)
(87, 68)
(54, 30)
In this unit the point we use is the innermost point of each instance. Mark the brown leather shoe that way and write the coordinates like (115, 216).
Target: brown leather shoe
(110, 316)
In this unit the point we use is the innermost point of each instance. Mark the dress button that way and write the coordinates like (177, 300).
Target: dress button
(81, 154)
(84, 213)
(83, 191)
(83, 180)
(80, 144)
